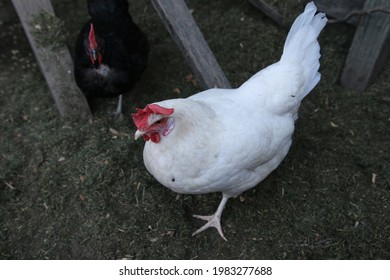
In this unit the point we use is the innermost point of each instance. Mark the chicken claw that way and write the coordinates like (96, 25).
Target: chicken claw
(213, 220)
(118, 112)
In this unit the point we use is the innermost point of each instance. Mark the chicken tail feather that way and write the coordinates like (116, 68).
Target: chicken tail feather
(302, 47)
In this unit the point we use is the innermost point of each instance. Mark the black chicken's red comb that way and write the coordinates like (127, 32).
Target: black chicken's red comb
(92, 38)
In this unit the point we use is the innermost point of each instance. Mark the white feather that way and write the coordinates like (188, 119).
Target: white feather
(229, 140)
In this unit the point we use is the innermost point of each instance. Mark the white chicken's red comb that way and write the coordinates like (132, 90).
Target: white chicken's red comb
(141, 117)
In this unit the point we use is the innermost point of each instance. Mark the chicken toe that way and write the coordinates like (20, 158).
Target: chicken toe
(213, 220)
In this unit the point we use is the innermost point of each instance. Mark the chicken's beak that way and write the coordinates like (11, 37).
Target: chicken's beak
(138, 134)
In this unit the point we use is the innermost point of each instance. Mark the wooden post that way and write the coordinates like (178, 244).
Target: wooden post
(56, 65)
(185, 32)
(269, 11)
(340, 8)
(370, 47)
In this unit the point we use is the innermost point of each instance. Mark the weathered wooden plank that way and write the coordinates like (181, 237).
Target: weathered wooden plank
(269, 11)
(370, 48)
(340, 8)
(56, 64)
(188, 37)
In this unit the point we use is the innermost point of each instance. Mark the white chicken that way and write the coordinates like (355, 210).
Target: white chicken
(229, 140)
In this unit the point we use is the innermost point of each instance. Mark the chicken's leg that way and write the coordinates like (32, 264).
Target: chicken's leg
(213, 220)
(118, 111)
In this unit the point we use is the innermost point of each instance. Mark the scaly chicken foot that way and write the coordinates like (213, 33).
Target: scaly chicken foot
(213, 220)
(118, 111)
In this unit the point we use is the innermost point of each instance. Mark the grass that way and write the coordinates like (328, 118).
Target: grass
(49, 31)
(79, 190)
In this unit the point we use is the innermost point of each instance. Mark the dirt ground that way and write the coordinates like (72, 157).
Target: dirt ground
(78, 190)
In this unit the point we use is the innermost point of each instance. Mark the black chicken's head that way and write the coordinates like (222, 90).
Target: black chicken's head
(94, 47)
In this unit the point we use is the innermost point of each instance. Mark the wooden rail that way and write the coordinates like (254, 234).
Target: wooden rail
(56, 64)
(188, 37)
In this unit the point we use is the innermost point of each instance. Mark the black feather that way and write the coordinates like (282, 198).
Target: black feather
(124, 49)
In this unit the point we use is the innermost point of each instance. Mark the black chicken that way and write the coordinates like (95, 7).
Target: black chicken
(111, 51)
